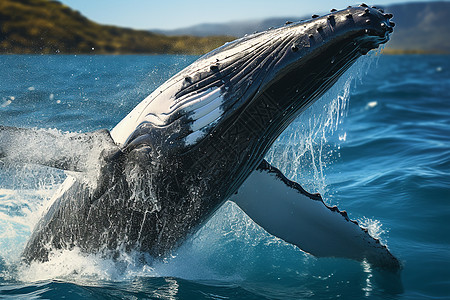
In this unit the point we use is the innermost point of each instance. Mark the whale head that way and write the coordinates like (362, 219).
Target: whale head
(283, 70)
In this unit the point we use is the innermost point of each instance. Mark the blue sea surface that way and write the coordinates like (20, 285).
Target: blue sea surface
(377, 145)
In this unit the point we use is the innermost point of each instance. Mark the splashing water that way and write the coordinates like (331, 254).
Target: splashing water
(312, 142)
(304, 150)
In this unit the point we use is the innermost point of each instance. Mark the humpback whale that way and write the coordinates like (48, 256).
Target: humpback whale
(199, 140)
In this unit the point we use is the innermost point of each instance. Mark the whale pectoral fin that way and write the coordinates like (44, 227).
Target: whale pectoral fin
(284, 209)
(68, 151)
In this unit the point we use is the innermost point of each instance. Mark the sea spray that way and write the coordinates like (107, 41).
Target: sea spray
(305, 149)
(20, 210)
(312, 142)
(27, 189)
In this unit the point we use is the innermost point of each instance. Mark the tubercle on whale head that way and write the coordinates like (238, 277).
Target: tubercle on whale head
(366, 27)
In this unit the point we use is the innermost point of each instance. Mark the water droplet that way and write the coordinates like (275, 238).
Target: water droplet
(6, 103)
(372, 104)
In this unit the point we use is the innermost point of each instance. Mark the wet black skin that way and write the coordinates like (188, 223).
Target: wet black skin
(181, 186)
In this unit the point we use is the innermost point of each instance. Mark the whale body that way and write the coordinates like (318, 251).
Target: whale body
(200, 140)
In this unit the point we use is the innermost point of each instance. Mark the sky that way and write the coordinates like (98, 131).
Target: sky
(171, 14)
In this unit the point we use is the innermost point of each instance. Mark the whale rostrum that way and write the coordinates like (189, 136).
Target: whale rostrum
(199, 140)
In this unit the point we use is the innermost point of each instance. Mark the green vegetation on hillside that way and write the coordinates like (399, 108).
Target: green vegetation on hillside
(44, 26)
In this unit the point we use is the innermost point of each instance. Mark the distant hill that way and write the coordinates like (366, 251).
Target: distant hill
(421, 27)
(237, 29)
(44, 26)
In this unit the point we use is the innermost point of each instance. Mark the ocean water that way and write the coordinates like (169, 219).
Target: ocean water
(377, 145)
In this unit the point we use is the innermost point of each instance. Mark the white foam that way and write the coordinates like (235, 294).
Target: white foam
(69, 265)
